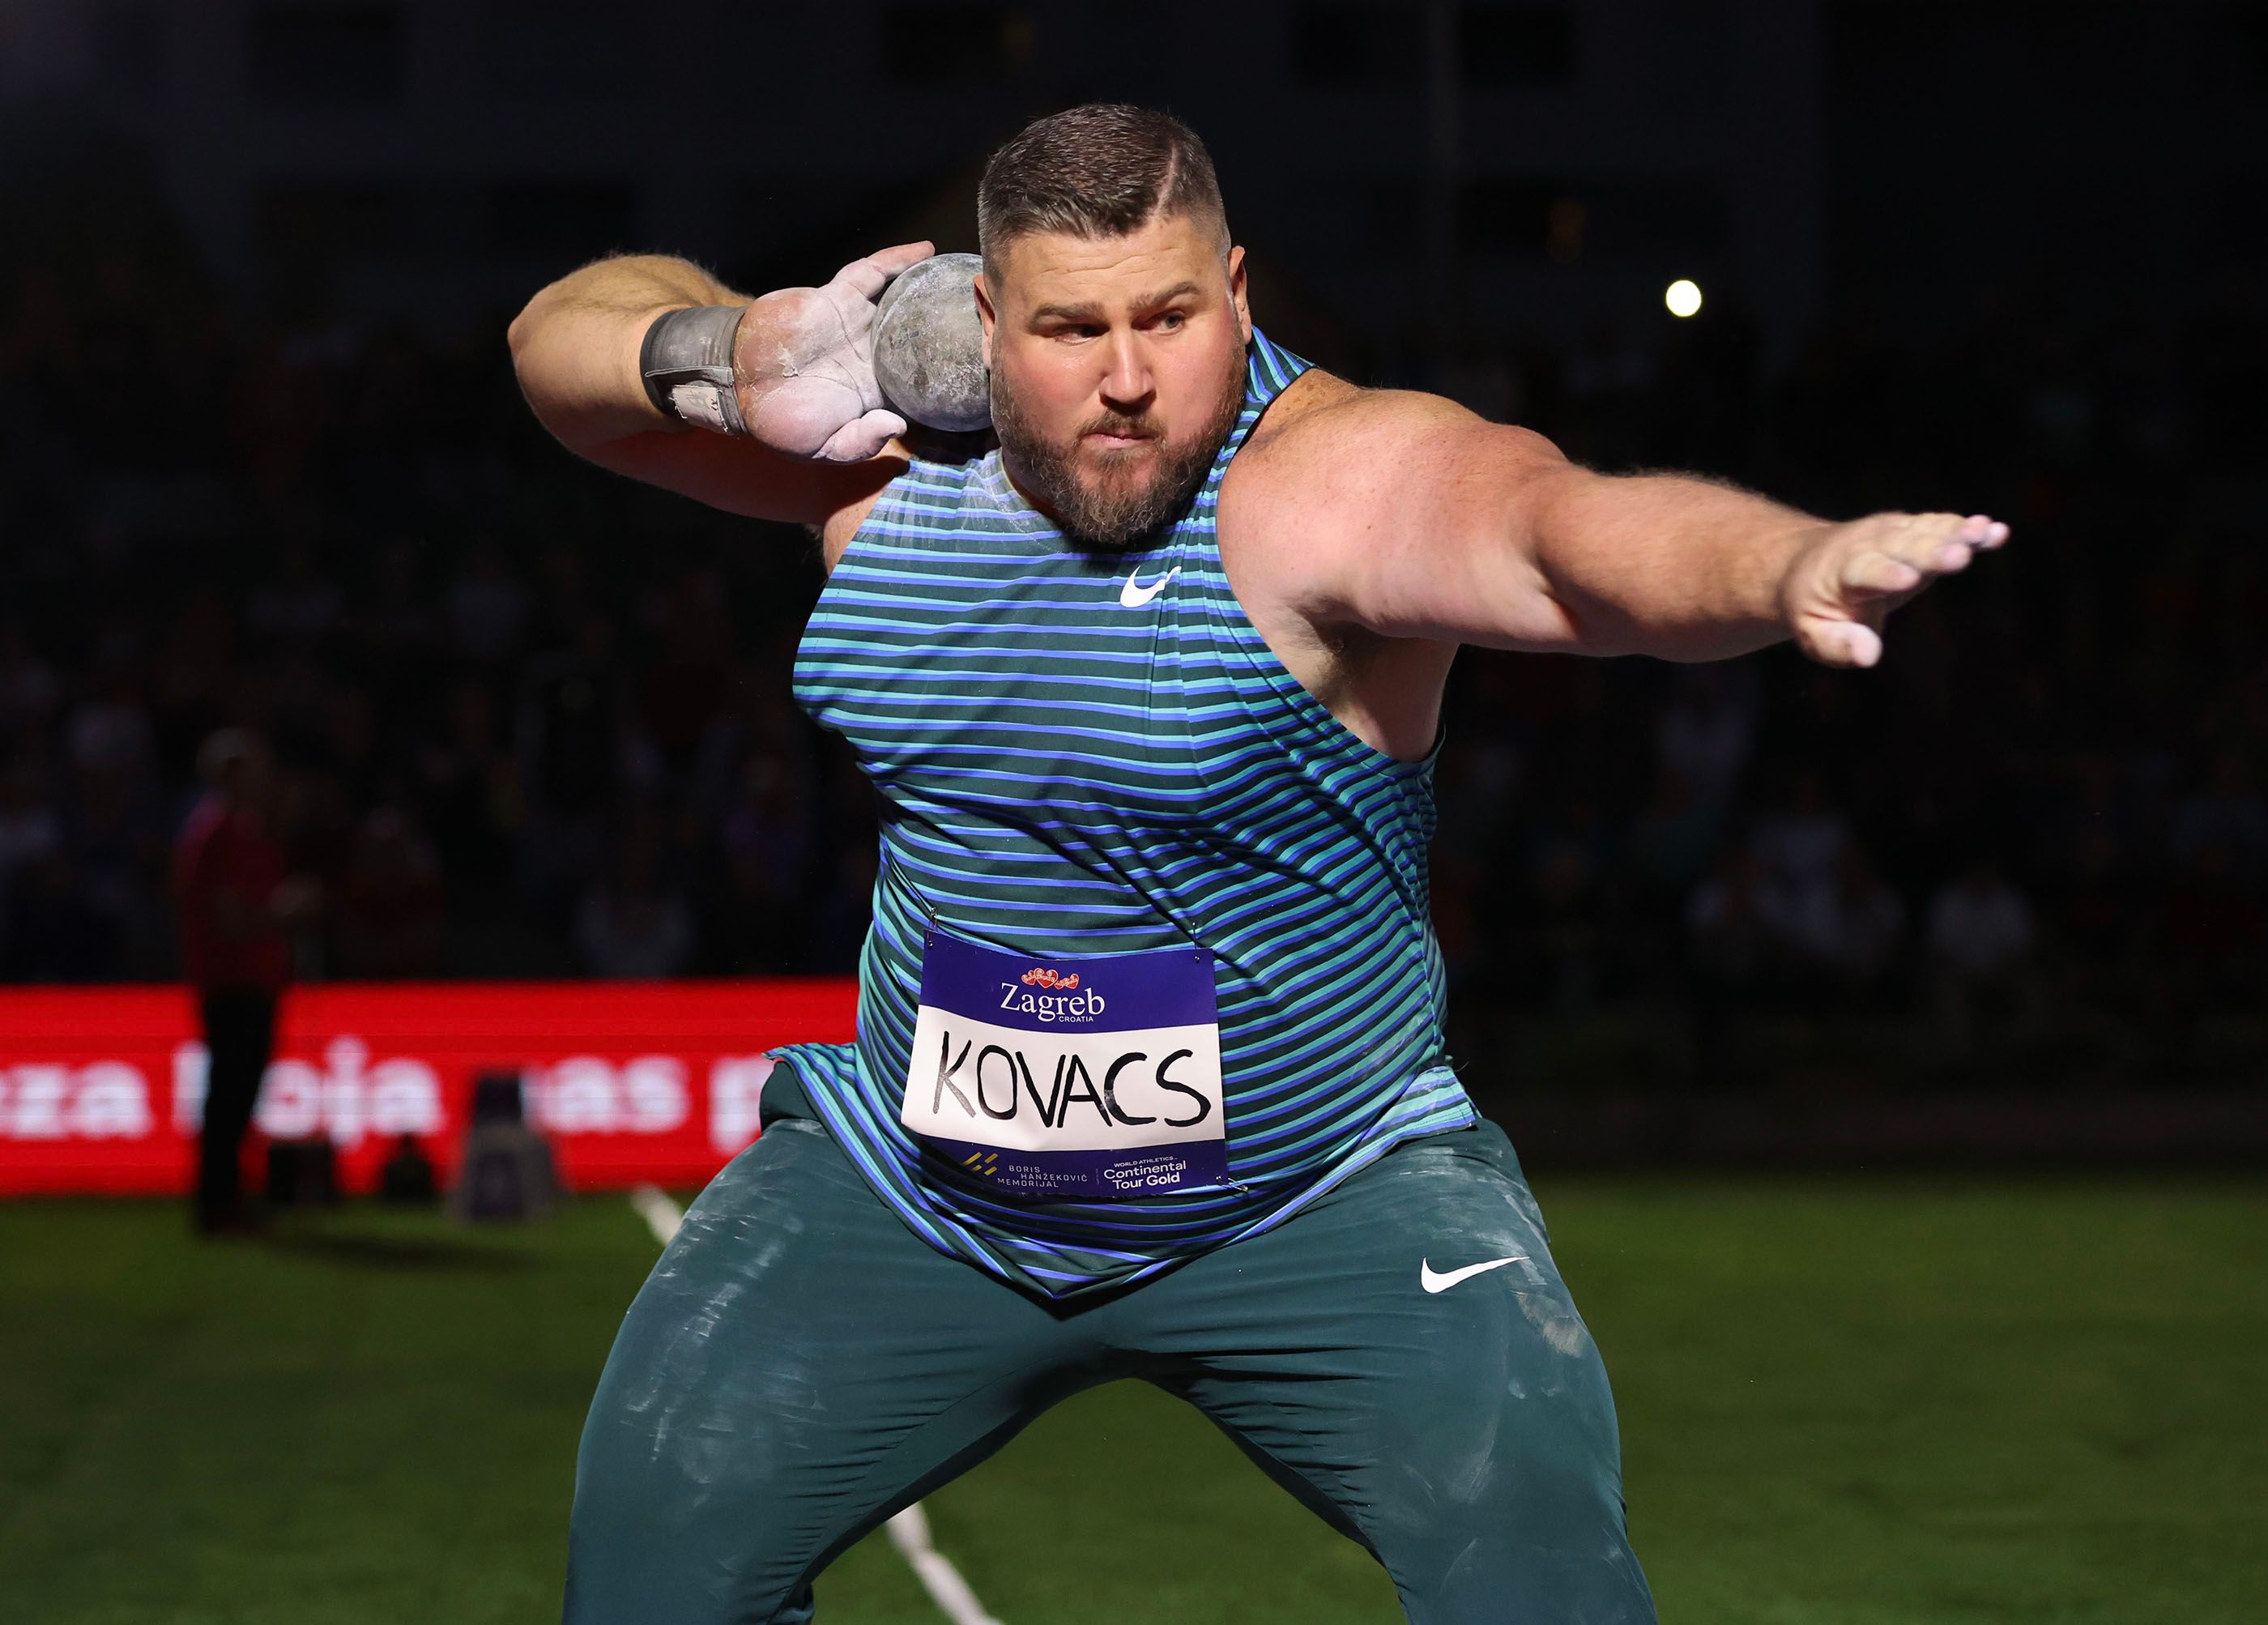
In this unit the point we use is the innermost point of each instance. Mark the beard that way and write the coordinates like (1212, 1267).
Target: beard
(1133, 491)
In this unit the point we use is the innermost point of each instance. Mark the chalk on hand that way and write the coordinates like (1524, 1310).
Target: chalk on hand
(928, 344)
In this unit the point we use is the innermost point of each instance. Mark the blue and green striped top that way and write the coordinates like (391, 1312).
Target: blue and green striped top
(1061, 774)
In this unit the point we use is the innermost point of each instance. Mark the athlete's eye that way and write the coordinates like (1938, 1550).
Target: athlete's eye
(1174, 319)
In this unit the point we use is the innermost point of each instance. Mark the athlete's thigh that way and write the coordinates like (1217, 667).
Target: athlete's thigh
(797, 1366)
(1407, 1352)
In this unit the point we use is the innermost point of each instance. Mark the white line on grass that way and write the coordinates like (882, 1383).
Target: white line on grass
(909, 1533)
(661, 1214)
(909, 1529)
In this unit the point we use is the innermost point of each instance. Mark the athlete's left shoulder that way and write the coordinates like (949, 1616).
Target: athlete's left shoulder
(1263, 479)
(1330, 456)
(1298, 403)
(1322, 425)
(1290, 540)
(1323, 449)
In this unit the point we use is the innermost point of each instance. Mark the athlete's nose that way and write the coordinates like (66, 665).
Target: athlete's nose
(1127, 385)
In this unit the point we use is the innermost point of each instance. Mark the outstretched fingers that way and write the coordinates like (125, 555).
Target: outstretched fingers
(1918, 547)
(1939, 543)
(1983, 532)
(1890, 558)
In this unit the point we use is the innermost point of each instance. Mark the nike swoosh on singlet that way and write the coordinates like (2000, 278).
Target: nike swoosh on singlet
(1133, 595)
(1433, 1283)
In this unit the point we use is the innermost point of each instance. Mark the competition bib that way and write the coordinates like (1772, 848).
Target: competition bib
(1092, 1077)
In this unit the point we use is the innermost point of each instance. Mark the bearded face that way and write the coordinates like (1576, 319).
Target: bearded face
(1114, 480)
(1117, 372)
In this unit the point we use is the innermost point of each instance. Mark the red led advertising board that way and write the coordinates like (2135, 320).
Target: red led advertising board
(101, 1089)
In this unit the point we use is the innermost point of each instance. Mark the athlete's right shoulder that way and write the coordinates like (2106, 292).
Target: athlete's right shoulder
(943, 464)
(836, 530)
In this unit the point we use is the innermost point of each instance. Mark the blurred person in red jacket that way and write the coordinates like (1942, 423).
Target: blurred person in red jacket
(236, 905)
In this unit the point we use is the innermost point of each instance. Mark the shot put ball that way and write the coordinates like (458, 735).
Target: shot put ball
(928, 344)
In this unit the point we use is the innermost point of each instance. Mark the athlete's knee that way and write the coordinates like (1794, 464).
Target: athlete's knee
(643, 1549)
(1526, 1522)
(1502, 1575)
(1540, 1537)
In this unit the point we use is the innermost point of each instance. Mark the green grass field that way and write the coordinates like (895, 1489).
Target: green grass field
(1846, 1402)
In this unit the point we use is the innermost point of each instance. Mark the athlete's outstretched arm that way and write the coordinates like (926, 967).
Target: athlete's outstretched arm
(817, 435)
(1435, 522)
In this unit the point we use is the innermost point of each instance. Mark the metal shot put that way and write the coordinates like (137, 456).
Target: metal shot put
(1150, 1079)
(928, 344)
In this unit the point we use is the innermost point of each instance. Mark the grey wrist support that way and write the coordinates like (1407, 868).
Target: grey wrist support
(687, 363)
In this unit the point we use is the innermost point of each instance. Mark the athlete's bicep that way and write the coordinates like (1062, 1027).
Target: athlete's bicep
(1423, 518)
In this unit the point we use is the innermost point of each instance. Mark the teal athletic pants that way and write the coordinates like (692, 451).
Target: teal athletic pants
(800, 1365)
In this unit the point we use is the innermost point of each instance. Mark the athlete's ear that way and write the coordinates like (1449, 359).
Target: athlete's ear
(985, 314)
(1236, 291)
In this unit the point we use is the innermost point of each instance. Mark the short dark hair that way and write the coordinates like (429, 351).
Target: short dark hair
(1101, 170)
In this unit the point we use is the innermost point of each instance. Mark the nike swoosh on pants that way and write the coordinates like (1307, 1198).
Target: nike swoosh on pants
(1433, 1283)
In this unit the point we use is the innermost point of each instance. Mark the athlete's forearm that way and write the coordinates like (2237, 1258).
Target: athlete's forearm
(575, 347)
(1670, 565)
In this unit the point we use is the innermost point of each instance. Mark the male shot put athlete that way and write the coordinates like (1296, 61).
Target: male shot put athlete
(1150, 1079)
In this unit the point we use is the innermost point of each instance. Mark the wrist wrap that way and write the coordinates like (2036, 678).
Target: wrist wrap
(687, 364)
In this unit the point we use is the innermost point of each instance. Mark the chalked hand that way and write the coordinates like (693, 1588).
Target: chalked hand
(929, 345)
(803, 361)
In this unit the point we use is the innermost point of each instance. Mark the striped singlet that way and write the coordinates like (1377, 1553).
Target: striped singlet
(1063, 772)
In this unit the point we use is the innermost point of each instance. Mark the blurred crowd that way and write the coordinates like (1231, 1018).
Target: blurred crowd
(2032, 844)
(534, 720)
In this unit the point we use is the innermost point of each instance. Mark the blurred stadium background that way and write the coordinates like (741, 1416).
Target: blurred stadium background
(1982, 934)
